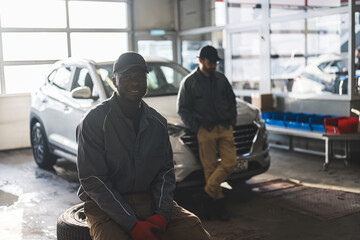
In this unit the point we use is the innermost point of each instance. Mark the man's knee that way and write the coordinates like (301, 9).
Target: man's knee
(229, 165)
(184, 225)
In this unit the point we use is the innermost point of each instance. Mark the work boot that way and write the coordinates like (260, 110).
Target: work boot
(204, 205)
(221, 210)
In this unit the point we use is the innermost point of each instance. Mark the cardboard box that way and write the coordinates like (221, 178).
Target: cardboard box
(262, 101)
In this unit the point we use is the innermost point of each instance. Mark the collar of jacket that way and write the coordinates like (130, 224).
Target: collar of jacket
(202, 76)
(146, 109)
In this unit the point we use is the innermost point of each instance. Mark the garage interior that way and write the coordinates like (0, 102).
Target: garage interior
(268, 47)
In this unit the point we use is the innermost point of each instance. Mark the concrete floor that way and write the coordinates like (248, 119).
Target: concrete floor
(31, 199)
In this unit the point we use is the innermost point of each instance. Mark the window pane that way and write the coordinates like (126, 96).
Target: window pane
(154, 48)
(192, 44)
(287, 53)
(34, 46)
(98, 14)
(35, 13)
(310, 57)
(327, 33)
(99, 46)
(190, 52)
(246, 66)
(244, 10)
(24, 79)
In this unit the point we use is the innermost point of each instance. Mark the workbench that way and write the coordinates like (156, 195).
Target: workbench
(328, 138)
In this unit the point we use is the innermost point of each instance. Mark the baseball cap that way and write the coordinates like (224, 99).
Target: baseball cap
(210, 53)
(129, 60)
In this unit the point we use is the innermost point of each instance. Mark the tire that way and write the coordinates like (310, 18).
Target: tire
(71, 224)
(39, 144)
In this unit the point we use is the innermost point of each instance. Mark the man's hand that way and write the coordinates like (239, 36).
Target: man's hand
(159, 221)
(145, 230)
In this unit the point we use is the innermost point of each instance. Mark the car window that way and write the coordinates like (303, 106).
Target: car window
(152, 81)
(105, 73)
(172, 76)
(162, 79)
(82, 78)
(61, 77)
(337, 65)
(322, 66)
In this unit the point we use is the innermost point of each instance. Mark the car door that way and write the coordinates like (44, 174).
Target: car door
(55, 100)
(77, 107)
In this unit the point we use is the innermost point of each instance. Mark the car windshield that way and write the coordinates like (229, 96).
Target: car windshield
(163, 78)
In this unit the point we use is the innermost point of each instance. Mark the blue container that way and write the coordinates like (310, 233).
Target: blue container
(267, 115)
(274, 118)
(317, 123)
(290, 119)
(303, 121)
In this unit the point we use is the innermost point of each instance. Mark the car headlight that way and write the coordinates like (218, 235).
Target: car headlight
(258, 118)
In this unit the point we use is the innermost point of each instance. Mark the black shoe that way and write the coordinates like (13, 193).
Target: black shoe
(221, 210)
(204, 205)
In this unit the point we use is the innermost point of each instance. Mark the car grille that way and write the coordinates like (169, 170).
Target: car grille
(243, 135)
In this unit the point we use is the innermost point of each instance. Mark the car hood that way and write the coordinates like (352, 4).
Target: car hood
(166, 106)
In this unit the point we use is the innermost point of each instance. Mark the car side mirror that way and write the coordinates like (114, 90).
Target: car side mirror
(81, 92)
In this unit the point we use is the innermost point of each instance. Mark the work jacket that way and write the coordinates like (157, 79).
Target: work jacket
(206, 101)
(114, 161)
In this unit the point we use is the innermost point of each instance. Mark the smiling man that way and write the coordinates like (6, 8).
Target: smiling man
(126, 168)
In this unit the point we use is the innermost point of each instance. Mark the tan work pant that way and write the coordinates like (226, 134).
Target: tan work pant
(182, 225)
(219, 139)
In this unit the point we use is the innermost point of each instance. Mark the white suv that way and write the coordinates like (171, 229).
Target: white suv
(75, 86)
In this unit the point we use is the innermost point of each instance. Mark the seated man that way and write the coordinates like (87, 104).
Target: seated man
(126, 168)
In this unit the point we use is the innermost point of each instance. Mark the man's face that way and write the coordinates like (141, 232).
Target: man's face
(132, 85)
(206, 66)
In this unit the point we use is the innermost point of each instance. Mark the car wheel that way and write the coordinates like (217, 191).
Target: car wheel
(72, 224)
(43, 157)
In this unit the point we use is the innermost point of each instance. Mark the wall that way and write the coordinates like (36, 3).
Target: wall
(331, 107)
(14, 121)
(154, 14)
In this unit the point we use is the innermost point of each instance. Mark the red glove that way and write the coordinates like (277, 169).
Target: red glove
(158, 220)
(145, 230)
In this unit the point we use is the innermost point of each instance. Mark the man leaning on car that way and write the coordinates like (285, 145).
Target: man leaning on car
(207, 105)
(126, 168)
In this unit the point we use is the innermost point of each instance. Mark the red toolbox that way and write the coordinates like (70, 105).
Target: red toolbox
(339, 125)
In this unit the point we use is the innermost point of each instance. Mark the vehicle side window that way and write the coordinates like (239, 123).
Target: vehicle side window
(152, 81)
(322, 66)
(163, 79)
(172, 76)
(82, 78)
(337, 65)
(106, 76)
(61, 78)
